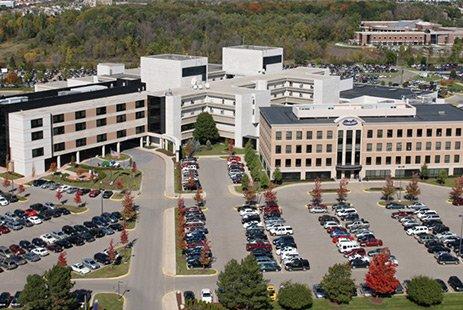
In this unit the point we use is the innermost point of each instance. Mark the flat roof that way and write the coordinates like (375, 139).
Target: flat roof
(253, 47)
(174, 57)
(424, 113)
(381, 91)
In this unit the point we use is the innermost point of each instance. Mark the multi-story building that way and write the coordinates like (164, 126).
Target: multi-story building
(405, 32)
(366, 137)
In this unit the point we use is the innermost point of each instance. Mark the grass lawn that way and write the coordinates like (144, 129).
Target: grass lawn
(108, 178)
(11, 175)
(109, 301)
(217, 149)
(75, 209)
(117, 196)
(131, 224)
(238, 189)
(181, 268)
(122, 156)
(451, 301)
(380, 189)
(109, 271)
(449, 182)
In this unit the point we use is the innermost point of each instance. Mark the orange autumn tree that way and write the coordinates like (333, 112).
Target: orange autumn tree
(342, 190)
(111, 251)
(124, 235)
(316, 193)
(62, 260)
(381, 275)
(456, 194)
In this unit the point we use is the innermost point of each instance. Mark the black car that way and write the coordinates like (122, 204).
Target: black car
(63, 211)
(117, 214)
(54, 248)
(76, 240)
(447, 259)
(80, 228)
(38, 207)
(99, 221)
(455, 283)
(38, 182)
(19, 213)
(83, 297)
(108, 217)
(39, 242)
(5, 299)
(87, 236)
(102, 258)
(438, 248)
(97, 233)
(64, 243)
(440, 228)
(188, 296)
(261, 252)
(107, 194)
(326, 218)
(15, 302)
(68, 230)
(26, 245)
(269, 266)
(433, 243)
(55, 213)
(442, 285)
(89, 225)
(44, 215)
(297, 264)
(359, 263)
(116, 227)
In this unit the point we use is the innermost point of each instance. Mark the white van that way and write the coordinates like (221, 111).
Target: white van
(345, 212)
(348, 246)
(418, 230)
(281, 231)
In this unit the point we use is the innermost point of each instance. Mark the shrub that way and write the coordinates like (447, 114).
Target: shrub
(424, 291)
(338, 284)
(294, 296)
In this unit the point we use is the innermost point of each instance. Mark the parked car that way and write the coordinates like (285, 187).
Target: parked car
(107, 194)
(442, 285)
(102, 258)
(206, 295)
(455, 283)
(5, 300)
(15, 303)
(32, 257)
(445, 258)
(80, 268)
(318, 291)
(297, 264)
(94, 193)
(40, 251)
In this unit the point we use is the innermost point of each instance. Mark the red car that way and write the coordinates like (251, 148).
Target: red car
(330, 229)
(400, 214)
(31, 212)
(336, 239)
(4, 229)
(233, 158)
(258, 245)
(372, 242)
(17, 250)
(360, 251)
(93, 193)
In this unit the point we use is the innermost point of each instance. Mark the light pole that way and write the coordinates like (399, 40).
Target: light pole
(101, 202)
(461, 233)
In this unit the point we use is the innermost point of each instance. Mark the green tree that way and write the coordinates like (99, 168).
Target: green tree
(391, 58)
(453, 74)
(244, 182)
(242, 286)
(277, 176)
(338, 284)
(295, 296)
(264, 180)
(205, 128)
(59, 286)
(424, 291)
(35, 295)
(424, 172)
(442, 176)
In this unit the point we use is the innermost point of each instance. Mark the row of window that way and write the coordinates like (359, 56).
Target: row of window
(410, 133)
(308, 162)
(418, 146)
(59, 118)
(408, 160)
(308, 135)
(308, 148)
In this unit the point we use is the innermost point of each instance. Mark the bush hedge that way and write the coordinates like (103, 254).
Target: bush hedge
(259, 176)
(424, 291)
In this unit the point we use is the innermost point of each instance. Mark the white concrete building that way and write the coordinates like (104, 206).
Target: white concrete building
(252, 59)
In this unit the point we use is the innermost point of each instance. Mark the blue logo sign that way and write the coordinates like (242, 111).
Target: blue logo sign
(349, 122)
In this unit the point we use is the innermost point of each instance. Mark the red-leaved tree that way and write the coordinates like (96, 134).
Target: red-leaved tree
(21, 188)
(62, 259)
(124, 235)
(134, 167)
(6, 182)
(456, 194)
(119, 184)
(78, 198)
(58, 196)
(316, 193)
(111, 251)
(342, 190)
(270, 196)
(381, 275)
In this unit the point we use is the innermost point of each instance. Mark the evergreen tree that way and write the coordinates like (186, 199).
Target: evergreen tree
(277, 176)
(295, 296)
(338, 284)
(424, 172)
(35, 295)
(205, 128)
(59, 286)
(442, 176)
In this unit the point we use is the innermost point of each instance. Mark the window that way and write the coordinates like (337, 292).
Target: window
(418, 146)
(417, 159)
(408, 159)
(398, 160)
(379, 133)
(448, 132)
(277, 162)
(379, 147)
(58, 130)
(329, 161)
(101, 111)
(389, 133)
(298, 162)
(59, 118)
(456, 158)
(101, 122)
(419, 132)
(400, 133)
(439, 132)
(319, 148)
(298, 149)
(37, 152)
(121, 133)
(370, 133)
(369, 147)
(80, 114)
(438, 145)
(398, 146)
(409, 146)
(448, 145)
(139, 104)
(318, 162)
(409, 133)
(437, 159)
(139, 129)
(278, 149)
(458, 132)
(140, 114)
(427, 159)
(37, 135)
(58, 147)
(329, 134)
(35, 123)
(388, 160)
(308, 135)
(289, 135)
(329, 148)
(287, 162)
(428, 146)
(389, 146)
(319, 134)
(81, 142)
(429, 132)
(288, 149)
(298, 135)
(101, 138)
(378, 160)
(368, 161)
(308, 148)
(81, 126)
(308, 162)
(457, 145)
(121, 118)
(447, 159)
(278, 135)
(120, 107)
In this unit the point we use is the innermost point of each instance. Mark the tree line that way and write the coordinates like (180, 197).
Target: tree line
(124, 33)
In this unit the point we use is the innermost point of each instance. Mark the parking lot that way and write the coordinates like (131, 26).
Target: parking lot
(228, 238)
(13, 280)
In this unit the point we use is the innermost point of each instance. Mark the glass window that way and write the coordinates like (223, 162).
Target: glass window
(58, 147)
(398, 160)
(139, 104)
(298, 162)
(80, 114)
(417, 159)
(318, 162)
(439, 132)
(308, 148)
(100, 110)
(101, 122)
(448, 132)
(388, 160)
(448, 145)
(389, 146)
(457, 145)
(287, 162)
(309, 135)
(419, 132)
(37, 135)
(400, 133)
(418, 146)
(140, 114)
(389, 133)
(289, 135)
(308, 162)
(277, 135)
(437, 159)
(329, 148)
(329, 162)
(59, 118)
(278, 149)
(58, 130)
(370, 133)
(277, 162)
(379, 133)
(428, 146)
(121, 133)
(369, 147)
(121, 118)
(298, 149)
(456, 158)
(35, 123)
(399, 146)
(80, 126)
(458, 132)
(101, 138)
(447, 159)
(37, 152)
(409, 146)
(81, 142)
(409, 133)
(408, 159)
(120, 107)
(298, 135)
(378, 160)
(429, 132)
(319, 148)
(379, 147)
(288, 149)
(438, 146)
(368, 161)
(427, 159)
(329, 134)
(319, 134)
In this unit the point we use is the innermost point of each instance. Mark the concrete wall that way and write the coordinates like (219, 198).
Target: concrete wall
(241, 61)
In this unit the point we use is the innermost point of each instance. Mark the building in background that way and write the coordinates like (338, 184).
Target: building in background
(7, 3)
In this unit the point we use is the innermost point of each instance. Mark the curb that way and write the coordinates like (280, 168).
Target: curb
(195, 275)
(168, 245)
(231, 189)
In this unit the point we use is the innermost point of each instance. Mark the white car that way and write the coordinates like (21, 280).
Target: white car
(80, 268)
(4, 202)
(34, 220)
(40, 251)
(289, 255)
(287, 250)
(445, 235)
(206, 295)
(63, 188)
(330, 224)
(249, 211)
(48, 238)
(318, 210)
(418, 230)
(355, 256)
(425, 213)
(253, 223)
(417, 205)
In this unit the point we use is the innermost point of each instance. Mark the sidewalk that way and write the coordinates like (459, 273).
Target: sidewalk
(169, 301)
(169, 263)
(169, 191)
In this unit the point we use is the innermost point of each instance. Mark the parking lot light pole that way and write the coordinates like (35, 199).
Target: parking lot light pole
(101, 202)
(461, 233)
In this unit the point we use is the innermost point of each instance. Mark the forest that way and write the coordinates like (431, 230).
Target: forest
(306, 30)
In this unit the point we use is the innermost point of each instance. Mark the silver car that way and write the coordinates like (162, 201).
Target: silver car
(90, 263)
